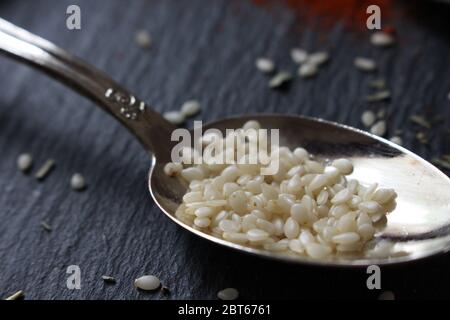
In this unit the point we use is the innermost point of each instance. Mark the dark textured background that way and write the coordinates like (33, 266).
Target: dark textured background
(203, 50)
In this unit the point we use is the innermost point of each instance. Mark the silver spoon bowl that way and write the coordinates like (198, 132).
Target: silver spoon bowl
(419, 226)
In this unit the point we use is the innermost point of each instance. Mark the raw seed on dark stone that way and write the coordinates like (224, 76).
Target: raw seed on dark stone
(280, 79)
(16, 296)
(46, 226)
(109, 279)
(45, 169)
(378, 96)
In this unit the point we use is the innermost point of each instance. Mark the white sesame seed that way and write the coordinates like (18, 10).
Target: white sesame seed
(382, 39)
(318, 58)
(46, 226)
(368, 118)
(143, 39)
(366, 231)
(257, 235)
(46, 168)
(192, 173)
(238, 201)
(344, 166)
(379, 128)
(365, 64)
(384, 195)
(204, 212)
(378, 96)
(228, 294)
(370, 207)
(172, 169)
(77, 182)
(24, 162)
(147, 282)
(202, 222)
(109, 279)
(190, 108)
(299, 55)
(280, 79)
(265, 65)
(341, 197)
(317, 251)
(397, 140)
(301, 154)
(174, 117)
(346, 238)
(19, 294)
(307, 70)
(235, 237)
(291, 228)
(318, 182)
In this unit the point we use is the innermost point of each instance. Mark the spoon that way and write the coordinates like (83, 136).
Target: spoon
(419, 226)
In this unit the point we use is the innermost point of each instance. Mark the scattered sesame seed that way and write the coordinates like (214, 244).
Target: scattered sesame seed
(379, 128)
(397, 140)
(143, 39)
(382, 39)
(421, 121)
(172, 169)
(280, 79)
(42, 173)
(24, 162)
(19, 294)
(319, 58)
(368, 118)
(77, 182)
(265, 65)
(148, 283)
(386, 295)
(299, 55)
(365, 64)
(46, 226)
(174, 117)
(190, 108)
(378, 96)
(228, 294)
(109, 279)
(307, 70)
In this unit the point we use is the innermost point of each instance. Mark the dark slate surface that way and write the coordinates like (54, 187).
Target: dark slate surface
(203, 50)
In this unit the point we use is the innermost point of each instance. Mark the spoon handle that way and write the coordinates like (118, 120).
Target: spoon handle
(152, 130)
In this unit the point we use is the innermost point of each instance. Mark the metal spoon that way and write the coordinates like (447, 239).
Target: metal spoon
(419, 226)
